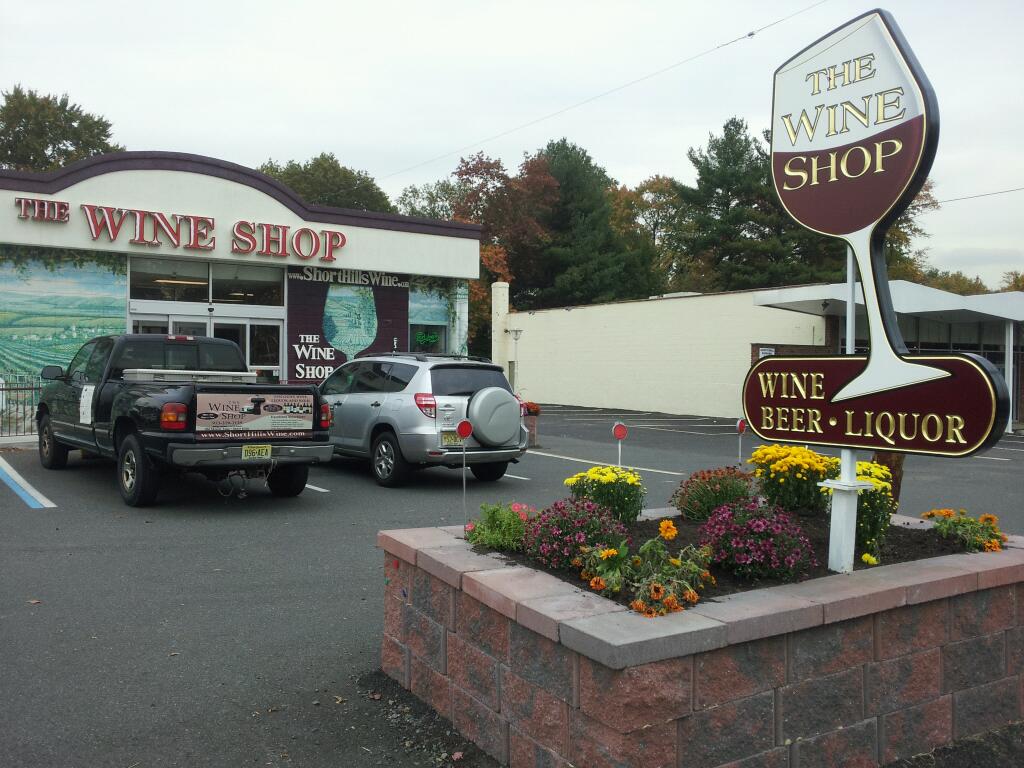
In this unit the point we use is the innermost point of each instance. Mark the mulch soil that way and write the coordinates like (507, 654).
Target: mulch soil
(1001, 748)
(901, 545)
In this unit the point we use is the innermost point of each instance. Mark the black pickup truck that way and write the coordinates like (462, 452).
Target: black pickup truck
(152, 401)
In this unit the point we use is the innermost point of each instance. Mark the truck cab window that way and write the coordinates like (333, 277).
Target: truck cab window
(78, 364)
(98, 361)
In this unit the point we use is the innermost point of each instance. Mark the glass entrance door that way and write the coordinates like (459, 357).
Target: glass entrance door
(259, 339)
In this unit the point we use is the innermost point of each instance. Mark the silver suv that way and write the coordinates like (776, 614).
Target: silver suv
(401, 411)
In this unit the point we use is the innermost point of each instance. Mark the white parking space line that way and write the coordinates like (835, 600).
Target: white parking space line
(991, 458)
(517, 477)
(22, 488)
(1000, 448)
(317, 488)
(601, 463)
(681, 431)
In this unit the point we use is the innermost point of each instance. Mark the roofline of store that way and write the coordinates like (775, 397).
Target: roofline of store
(52, 182)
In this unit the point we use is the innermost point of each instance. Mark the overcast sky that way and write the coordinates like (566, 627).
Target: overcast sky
(389, 85)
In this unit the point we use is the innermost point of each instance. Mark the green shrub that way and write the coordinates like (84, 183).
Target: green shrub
(705, 491)
(500, 526)
(615, 488)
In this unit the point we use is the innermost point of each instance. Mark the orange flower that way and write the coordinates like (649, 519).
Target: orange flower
(690, 596)
(667, 530)
(657, 591)
(597, 584)
(928, 515)
(586, 575)
(986, 518)
(576, 563)
(638, 605)
(992, 546)
(650, 613)
(671, 604)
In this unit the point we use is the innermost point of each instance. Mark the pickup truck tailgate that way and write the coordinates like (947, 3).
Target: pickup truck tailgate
(254, 415)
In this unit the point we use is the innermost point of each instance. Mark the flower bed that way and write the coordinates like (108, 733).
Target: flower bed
(856, 669)
(531, 660)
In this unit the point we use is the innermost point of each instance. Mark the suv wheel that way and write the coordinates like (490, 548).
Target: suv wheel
(138, 478)
(489, 472)
(52, 455)
(289, 480)
(390, 468)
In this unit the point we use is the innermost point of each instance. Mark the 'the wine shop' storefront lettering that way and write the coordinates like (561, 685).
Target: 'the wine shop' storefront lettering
(155, 242)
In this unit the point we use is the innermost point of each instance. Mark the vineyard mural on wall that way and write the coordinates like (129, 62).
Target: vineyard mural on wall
(55, 300)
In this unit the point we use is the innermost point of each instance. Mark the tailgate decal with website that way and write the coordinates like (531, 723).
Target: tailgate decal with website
(220, 416)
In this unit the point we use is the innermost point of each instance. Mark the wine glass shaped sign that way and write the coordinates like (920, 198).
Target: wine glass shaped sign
(854, 130)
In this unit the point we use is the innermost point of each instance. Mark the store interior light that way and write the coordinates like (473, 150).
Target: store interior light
(166, 281)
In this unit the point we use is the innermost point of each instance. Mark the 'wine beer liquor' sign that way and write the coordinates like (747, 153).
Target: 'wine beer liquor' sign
(855, 125)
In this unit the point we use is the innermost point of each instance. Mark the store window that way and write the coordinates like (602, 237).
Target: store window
(428, 338)
(243, 284)
(169, 280)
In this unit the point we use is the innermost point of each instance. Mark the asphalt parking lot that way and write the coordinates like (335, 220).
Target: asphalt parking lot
(226, 631)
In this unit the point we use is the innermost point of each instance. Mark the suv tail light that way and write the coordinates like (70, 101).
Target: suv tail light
(326, 416)
(522, 405)
(174, 416)
(427, 404)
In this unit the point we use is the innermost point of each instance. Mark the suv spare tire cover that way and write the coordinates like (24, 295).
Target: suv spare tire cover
(494, 413)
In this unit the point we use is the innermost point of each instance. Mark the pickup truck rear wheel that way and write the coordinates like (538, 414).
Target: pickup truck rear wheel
(138, 478)
(490, 471)
(52, 455)
(289, 480)
(390, 468)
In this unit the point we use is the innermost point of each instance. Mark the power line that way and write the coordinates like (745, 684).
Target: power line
(982, 194)
(601, 95)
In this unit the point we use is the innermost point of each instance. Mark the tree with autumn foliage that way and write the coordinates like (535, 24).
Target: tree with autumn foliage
(1012, 281)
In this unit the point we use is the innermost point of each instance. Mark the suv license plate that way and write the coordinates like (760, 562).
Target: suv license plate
(449, 437)
(255, 452)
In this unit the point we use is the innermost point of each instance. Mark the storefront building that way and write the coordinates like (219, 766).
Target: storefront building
(156, 242)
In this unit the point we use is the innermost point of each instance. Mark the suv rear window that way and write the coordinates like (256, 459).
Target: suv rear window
(466, 380)
(177, 356)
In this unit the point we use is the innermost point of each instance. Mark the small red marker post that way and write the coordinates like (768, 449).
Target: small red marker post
(464, 429)
(741, 427)
(619, 432)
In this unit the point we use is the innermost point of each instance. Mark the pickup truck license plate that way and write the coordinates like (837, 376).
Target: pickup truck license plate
(449, 437)
(255, 452)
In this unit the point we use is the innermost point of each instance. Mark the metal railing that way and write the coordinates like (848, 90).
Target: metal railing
(19, 393)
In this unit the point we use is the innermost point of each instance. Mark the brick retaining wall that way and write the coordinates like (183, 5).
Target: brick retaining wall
(848, 670)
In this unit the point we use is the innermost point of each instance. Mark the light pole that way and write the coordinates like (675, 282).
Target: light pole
(516, 333)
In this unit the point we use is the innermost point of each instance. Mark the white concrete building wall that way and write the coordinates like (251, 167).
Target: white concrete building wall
(683, 355)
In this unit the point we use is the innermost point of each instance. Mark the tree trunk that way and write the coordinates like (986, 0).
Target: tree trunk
(894, 461)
